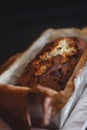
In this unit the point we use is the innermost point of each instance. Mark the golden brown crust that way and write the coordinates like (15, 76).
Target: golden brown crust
(61, 46)
(54, 65)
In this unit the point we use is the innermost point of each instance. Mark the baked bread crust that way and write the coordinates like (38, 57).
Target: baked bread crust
(54, 65)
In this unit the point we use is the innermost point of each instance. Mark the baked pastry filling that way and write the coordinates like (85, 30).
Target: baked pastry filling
(54, 65)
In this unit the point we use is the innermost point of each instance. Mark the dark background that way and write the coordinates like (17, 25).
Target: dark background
(20, 25)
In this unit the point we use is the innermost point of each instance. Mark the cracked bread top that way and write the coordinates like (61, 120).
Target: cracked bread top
(54, 65)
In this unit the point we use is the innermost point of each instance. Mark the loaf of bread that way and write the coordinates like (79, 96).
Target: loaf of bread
(43, 79)
(52, 69)
(54, 65)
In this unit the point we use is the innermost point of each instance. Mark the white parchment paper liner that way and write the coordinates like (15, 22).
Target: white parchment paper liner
(78, 117)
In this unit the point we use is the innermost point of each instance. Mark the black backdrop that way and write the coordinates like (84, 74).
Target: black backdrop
(19, 26)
